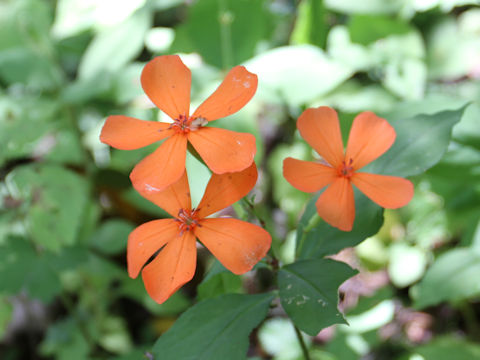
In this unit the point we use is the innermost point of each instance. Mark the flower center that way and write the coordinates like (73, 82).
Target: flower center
(346, 169)
(185, 124)
(188, 220)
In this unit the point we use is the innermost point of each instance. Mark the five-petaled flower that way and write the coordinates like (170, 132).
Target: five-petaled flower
(370, 137)
(238, 245)
(166, 81)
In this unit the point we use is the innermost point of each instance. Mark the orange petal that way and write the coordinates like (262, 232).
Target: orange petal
(223, 190)
(173, 198)
(306, 175)
(161, 168)
(238, 245)
(370, 136)
(391, 192)
(166, 81)
(173, 267)
(321, 130)
(234, 92)
(336, 205)
(127, 133)
(147, 239)
(224, 150)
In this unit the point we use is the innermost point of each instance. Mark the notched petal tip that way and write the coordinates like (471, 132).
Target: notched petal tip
(166, 81)
(234, 92)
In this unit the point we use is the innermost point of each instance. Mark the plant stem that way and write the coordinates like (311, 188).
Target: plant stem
(225, 19)
(306, 355)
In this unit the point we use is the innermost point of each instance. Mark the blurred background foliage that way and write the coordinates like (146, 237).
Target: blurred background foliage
(67, 207)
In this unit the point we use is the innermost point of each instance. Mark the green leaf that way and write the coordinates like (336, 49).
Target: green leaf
(22, 269)
(53, 200)
(296, 75)
(309, 292)
(108, 50)
(111, 237)
(365, 29)
(323, 239)
(214, 329)
(219, 281)
(6, 312)
(65, 340)
(311, 24)
(365, 6)
(453, 276)
(421, 142)
(447, 348)
(226, 32)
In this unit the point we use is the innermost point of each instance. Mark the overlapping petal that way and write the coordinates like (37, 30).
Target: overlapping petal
(238, 245)
(336, 205)
(127, 133)
(166, 81)
(223, 150)
(234, 92)
(146, 240)
(370, 137)
(321, 130)
(225, 189)
(391, 192)
(306, 175)
(161, 168)
(173, 198)
(172, 267)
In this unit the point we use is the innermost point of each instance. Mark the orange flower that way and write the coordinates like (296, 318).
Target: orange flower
(238, 245)
(166, 81)
(370, 137)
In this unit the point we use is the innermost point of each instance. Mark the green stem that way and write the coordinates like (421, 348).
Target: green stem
(313, 222)
(225, 19)
(306, 355)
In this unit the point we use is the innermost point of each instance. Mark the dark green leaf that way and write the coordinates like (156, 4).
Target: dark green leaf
(421, 142)
(219, 281)
(22, 269)
(324, 239)
(214, 329)
(309, 292)
(111, 237)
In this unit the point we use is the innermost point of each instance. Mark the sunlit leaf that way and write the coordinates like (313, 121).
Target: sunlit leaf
(107, 51)
(453, 276)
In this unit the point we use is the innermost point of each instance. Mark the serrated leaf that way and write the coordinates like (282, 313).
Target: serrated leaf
(309, 292)
(214, 329)
(452, 277)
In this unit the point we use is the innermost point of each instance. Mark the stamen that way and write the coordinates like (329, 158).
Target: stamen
(346, 170)
(187, 220)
